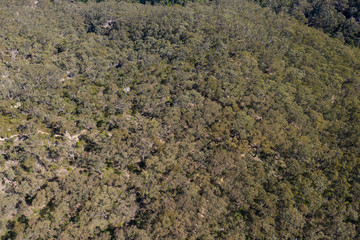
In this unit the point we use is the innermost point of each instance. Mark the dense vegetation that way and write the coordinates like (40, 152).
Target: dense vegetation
(339, 18)
(209, 121)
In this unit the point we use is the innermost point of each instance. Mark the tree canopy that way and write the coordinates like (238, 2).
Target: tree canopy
(218, 120)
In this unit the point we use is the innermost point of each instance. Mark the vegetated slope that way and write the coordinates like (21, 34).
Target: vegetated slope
(339, 18)
(129, 121)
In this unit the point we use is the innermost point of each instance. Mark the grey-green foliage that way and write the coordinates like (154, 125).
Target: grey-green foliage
(338, 18)
(209, 121)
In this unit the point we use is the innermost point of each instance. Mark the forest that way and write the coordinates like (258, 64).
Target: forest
(226, 119)
(338, 18)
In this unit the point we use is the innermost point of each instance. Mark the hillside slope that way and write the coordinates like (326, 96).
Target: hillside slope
(209, 121)
(340, 19)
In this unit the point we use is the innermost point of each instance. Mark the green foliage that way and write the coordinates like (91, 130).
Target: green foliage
(221, 120)
(340, 18)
